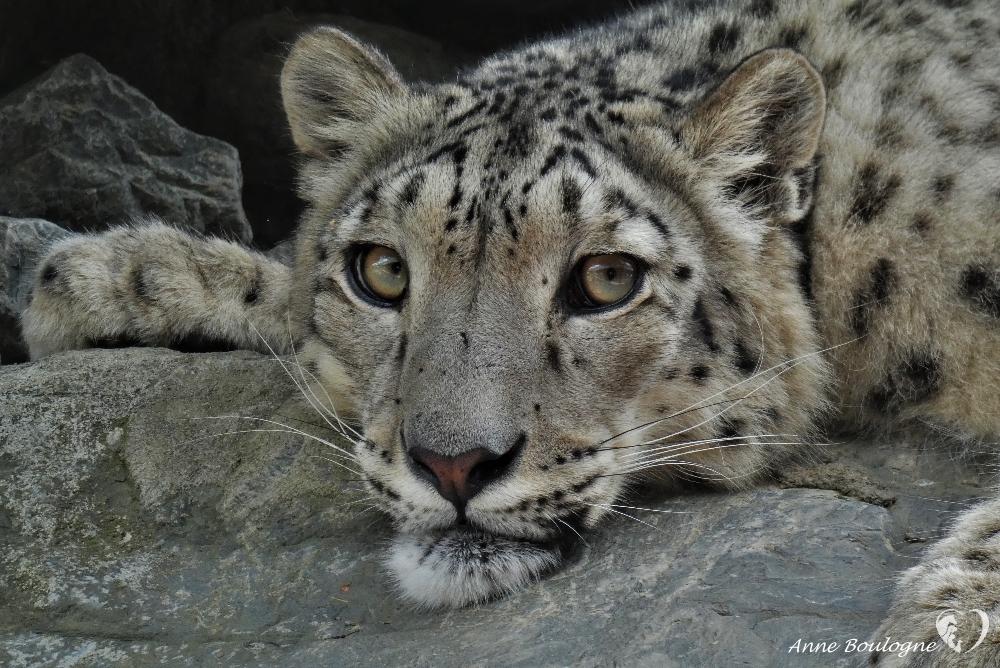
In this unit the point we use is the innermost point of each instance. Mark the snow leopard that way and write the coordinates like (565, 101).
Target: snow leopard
(674, 246)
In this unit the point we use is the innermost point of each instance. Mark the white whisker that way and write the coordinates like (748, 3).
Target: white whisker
(610, 509)
(280, 424)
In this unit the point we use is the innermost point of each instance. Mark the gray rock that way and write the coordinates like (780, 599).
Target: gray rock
(23, 242)
(243, 99)
(148, 517)
(83, 149)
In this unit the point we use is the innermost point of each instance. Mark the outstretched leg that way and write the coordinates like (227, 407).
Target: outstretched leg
(153, 285)
(951, 598)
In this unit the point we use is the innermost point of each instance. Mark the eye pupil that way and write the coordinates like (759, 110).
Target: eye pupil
(612, 273)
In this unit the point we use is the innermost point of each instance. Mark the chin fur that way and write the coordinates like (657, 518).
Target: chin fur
(464, 567)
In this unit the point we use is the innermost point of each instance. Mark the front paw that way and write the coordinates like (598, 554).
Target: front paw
(948, 606)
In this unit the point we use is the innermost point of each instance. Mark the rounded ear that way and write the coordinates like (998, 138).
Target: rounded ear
(332, 87)
(760, 130)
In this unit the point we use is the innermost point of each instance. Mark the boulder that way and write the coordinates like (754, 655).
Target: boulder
(81, 148)
(23, 242)
(166, 508)
(243, 100)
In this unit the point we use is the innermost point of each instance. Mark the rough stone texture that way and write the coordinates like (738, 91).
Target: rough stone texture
(83, 149)
(22, 243)
(138, 527)
(243, 100)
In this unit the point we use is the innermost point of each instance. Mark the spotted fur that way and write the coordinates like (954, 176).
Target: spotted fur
(795, 177)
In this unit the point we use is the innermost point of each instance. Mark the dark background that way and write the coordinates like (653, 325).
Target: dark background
(212, 65)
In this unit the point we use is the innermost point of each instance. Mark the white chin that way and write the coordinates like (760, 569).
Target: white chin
(461, 567)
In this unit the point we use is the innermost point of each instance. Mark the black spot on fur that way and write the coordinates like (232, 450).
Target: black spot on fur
(683, 79)
(557, 154)
(412, 189)
(763, 8)
(456, 196)
(581, 159)
(592, 124)
(723, 39)
(139, 286)
(792, 37)
(401, 352)
(943, 186)
(700, 372)
(727, 295)
(730, 429)
(571, 196)
(682, 272)
(552, 355)
(49, 274)
(745, 362)
(461, 118)
(873, 192)
(457, 150)
(451, 224)
(508, 219)
(916, 379)
(703, 326)
(571, 134)
(498, 102)
(658, 223)
(548, 115)
(981, 286)
(322, 253)
(616, 118)
(253, 292)
(922, 223)
(615, 198)
(872, 297)
(833, 73)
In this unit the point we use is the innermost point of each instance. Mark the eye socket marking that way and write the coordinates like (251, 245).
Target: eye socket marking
(379, 275)
(602, 281)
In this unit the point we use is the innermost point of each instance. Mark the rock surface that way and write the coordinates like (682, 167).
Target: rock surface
(139, 525)
(22, 244)
(81, 148)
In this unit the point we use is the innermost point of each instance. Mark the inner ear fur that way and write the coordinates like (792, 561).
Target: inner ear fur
(759, 132)
(333, 87)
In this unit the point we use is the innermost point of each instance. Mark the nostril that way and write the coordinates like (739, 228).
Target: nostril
(491, 470)
(424, 471)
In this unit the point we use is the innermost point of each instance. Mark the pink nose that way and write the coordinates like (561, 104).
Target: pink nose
(458, 478)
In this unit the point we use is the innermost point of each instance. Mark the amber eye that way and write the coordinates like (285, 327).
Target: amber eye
(381, 273)
(603, 280)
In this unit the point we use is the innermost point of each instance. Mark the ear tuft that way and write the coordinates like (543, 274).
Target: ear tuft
(759, 132)
(332, 87)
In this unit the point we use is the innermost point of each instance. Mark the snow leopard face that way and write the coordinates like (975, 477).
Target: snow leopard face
(537, 283)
